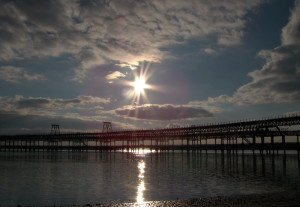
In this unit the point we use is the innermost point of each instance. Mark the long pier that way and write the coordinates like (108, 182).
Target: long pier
(263, 134)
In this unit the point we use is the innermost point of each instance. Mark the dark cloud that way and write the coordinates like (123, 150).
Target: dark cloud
(12, 123)
(34, 103)
(163, 112)
(43, 15)
(42, 105)
(35, 115)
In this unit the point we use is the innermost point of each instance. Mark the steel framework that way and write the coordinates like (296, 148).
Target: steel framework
(261, 134)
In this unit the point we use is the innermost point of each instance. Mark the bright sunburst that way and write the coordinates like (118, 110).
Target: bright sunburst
(139, 85)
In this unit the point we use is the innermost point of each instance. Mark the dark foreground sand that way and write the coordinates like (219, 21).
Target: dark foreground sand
(282, 199)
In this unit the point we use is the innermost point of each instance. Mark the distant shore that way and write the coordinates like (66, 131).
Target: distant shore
(280, 199)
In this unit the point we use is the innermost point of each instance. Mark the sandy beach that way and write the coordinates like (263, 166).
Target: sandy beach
(280, 199)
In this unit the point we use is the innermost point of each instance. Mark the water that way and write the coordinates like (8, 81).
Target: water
(48, 178)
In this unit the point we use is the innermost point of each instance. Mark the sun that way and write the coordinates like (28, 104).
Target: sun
(139, 85)
(138, 88)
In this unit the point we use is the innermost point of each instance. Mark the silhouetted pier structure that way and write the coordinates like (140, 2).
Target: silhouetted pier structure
(269, 134)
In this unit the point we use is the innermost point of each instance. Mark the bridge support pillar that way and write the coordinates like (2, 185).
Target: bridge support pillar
(262, 145)
(254, 144)
(222, 145)
(182, 142)
(215, 144)
(227, 144)
(200, 145)
(298, 144)
(236, 144)
(272, 143)
(283, 143)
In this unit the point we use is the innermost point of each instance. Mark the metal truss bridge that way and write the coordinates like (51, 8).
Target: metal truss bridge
(280, 133)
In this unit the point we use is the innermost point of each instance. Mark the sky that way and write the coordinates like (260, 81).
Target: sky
(146, 64)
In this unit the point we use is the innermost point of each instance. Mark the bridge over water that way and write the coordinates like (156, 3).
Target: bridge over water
(261, 134)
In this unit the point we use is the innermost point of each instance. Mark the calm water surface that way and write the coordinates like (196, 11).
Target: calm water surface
(48, 178)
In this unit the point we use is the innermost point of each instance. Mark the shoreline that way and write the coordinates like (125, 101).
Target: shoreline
(279, 199)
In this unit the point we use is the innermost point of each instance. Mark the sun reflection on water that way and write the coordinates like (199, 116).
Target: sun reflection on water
(141, 187)
(140, 154)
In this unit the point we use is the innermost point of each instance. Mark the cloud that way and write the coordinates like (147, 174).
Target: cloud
(114, 75)
(291, 32)
(162, 112)
(119, 32)
(93, 99)
(209, 50)
(279, 78)
(131, 66)
(15, 74)
(32, 28)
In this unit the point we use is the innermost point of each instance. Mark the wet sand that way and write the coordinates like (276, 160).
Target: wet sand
(280, 199)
